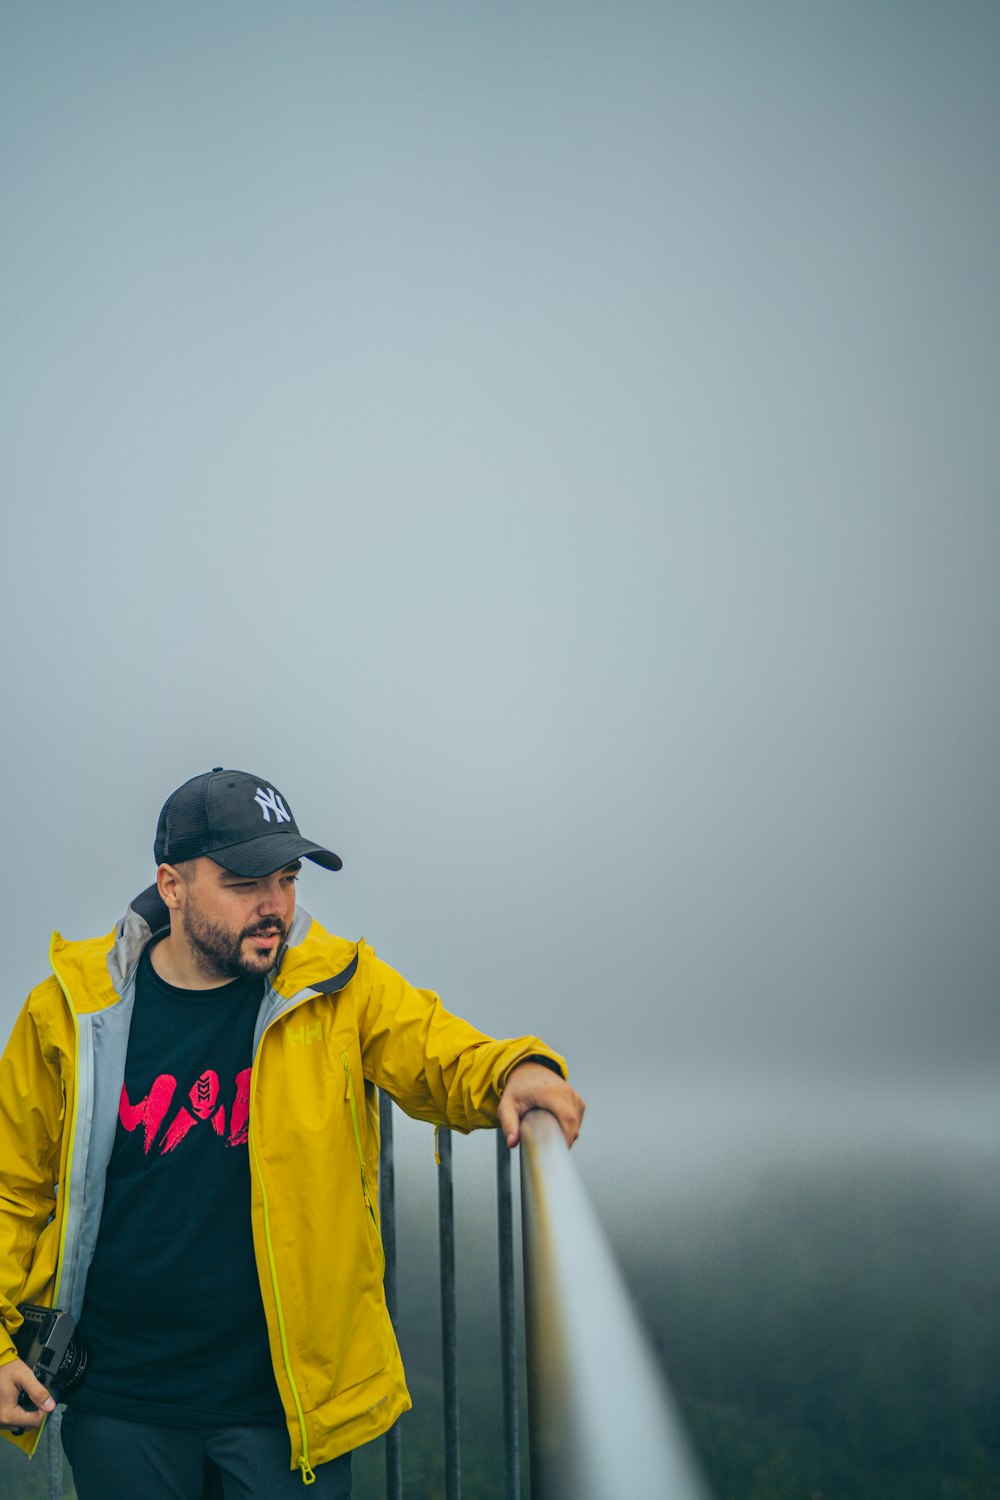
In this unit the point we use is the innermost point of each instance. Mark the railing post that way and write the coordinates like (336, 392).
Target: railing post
(601, 1421)
(508, 1328)
(387, 1215)
(449, 1335)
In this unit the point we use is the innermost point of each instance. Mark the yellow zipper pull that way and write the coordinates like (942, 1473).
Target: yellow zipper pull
(308, 1474)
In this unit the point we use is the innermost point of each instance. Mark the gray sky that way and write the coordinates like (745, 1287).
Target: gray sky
(557, 445)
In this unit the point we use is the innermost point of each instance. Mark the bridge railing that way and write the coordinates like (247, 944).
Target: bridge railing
(602, 1423)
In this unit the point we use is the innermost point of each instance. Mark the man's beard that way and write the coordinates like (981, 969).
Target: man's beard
(220, 950)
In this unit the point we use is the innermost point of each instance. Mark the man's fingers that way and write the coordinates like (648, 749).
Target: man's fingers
(16, 1377)
(567, 1106)
(558, 1099)
(509, 1121)
(38, 1395)
(570, 1117)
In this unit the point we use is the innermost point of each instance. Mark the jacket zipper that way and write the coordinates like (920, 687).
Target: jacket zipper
(361, 1154)
(64, 1187)
(308, 1473)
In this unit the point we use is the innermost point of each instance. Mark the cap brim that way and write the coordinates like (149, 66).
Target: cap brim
(272, 851)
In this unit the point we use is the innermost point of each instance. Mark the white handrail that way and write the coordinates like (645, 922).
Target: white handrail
(602, 1423)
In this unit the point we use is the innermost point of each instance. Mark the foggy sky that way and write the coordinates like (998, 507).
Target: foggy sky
(556, 445)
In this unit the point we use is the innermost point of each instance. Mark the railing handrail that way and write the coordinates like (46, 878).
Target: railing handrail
(602, 1423)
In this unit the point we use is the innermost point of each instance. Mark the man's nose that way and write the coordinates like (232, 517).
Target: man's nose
(274, 899)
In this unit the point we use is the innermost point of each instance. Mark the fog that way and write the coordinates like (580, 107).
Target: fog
(555, 446)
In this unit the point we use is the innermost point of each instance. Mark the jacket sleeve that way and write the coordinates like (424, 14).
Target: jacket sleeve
(435, 1065)
(31, 1115)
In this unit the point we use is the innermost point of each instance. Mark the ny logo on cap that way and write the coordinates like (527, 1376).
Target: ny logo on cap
(270, 802)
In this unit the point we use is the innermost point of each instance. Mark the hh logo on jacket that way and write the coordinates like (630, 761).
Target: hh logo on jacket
(203, 1110)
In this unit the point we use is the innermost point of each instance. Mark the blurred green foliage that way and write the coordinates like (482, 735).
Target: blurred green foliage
(832, 1333)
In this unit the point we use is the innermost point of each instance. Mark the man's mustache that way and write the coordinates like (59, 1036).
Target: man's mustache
(271, 924)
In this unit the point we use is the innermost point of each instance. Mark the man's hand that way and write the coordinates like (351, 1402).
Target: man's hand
(16, 1377)
(531, 1085)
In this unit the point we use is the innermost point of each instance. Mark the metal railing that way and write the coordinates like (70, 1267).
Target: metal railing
(602, 1423)
(449, 1315)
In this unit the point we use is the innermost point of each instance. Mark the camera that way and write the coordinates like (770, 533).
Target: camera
(51, 1347)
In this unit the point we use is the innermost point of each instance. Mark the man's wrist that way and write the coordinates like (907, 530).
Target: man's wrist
(537, 1057)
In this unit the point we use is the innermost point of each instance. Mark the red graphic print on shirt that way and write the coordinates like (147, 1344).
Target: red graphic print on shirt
(149, 1111)
(203, 1096)
(239, 1115)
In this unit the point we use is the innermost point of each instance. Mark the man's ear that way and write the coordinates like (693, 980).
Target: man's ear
(169, 882)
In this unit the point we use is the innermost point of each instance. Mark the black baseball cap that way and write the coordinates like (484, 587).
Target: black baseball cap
(238, 820)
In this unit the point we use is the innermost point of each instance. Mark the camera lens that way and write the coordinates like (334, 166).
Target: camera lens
(72, 1368)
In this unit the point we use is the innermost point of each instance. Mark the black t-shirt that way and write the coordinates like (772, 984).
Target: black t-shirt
(173, 1315)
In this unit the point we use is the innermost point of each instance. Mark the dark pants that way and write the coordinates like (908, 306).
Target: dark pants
(113, 1459)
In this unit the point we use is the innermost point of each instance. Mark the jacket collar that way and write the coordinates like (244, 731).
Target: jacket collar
(94, 973)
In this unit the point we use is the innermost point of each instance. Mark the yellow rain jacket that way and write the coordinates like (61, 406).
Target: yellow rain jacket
(335, 1024)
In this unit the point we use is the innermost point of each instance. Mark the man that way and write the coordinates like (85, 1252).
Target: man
(201, 1085)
